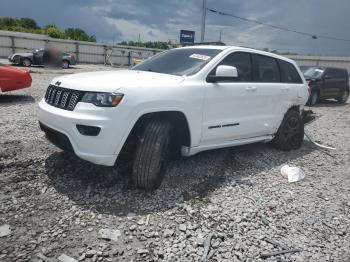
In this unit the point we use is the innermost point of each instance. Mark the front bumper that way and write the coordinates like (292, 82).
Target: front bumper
(14, 60)
(60, 127)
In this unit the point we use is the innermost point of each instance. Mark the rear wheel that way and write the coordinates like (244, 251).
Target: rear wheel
(344, 97)
(26, 62)
(65, 64)
(152, 154)
(314, 97)
(290, 134)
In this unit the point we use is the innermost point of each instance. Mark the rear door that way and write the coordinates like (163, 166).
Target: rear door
(272, 93)
(331, 83)
(292, 86)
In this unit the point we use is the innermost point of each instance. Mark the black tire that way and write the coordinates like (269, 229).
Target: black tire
(344, 97)
(152, 154)
(290, 134)
(65, 64)
(26, 62)
(314, 98)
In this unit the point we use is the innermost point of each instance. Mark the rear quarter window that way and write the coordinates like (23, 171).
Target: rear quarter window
(289, 73)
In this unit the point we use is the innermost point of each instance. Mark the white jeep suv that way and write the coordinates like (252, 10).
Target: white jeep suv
(187, 100)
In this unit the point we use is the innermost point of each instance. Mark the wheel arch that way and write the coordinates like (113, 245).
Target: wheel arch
(293, 107)
(26, 57)
(177, 118)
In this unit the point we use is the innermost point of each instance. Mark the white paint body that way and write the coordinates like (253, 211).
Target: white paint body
(258, 108)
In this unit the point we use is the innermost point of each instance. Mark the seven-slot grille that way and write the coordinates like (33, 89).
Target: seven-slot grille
(63, 98)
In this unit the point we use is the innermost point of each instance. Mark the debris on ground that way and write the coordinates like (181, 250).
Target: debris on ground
(292, 173)
(281, 252)
(65, 258)
(109, 234)
(5, 230)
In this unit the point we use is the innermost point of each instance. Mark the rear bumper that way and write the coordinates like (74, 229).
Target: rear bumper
(72, 62)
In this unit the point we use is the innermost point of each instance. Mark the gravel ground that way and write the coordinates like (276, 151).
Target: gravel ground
(223, 205)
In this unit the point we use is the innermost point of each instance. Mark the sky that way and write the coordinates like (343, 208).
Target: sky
(160, 20)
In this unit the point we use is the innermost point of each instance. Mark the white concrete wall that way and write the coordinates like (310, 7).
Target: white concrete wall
(86, 52)
(343, 62)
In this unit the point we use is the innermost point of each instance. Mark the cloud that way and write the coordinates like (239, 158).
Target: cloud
(118, 20)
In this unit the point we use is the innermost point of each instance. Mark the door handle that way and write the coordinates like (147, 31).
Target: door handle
(251, 88)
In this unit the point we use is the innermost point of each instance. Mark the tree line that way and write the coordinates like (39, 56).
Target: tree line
(29, 25)
(149, 44)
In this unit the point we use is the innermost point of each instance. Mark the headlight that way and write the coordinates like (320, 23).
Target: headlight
(102, 99)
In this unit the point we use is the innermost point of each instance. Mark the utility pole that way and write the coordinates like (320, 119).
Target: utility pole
(204, 14)
(220, 37)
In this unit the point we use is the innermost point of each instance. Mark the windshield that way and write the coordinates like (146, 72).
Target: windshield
(313, 72)
(186, 61)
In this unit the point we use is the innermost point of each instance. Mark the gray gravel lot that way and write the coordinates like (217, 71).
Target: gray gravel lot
(235, 199)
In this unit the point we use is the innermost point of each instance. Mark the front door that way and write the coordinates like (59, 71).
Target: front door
(39, 57)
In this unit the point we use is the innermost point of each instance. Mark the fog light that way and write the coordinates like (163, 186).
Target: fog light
(88, 130)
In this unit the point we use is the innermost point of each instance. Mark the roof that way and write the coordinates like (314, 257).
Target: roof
(241, 49)
(218, 47)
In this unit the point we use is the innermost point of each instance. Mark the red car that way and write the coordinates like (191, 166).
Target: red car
(12, 78)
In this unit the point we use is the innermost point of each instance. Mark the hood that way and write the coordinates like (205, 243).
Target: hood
(110, 81)
(311, 79)
(23, 54)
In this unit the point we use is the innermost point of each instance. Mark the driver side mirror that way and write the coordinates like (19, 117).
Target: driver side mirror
(222, 73)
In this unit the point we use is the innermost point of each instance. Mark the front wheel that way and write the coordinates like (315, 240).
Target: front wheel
(26, 62)
(290, 134)
(344, 97)
(152, 154)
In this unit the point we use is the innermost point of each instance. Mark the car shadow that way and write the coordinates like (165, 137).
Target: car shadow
(329, 103)
(105, 190)
(9, 99)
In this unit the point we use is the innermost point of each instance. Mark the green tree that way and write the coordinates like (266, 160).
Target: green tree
(28, 23)
(50, 25)
(30, 26)
(53, 32)
(78, 34)
(149, 44)
(8, 22)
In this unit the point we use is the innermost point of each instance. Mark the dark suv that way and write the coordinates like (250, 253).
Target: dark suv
(327, 82)
(40, 57)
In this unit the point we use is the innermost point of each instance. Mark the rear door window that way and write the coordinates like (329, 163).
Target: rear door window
(341, 74)
(266, 69)
(331, 72)
(289, 74)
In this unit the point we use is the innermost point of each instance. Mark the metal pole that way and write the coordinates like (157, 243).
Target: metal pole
(204, 14)
(13, 45)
